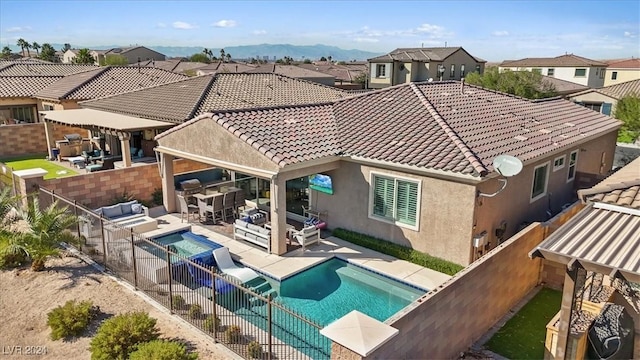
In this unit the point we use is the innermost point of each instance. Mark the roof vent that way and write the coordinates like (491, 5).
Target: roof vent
(570, 124)
(545, 131)
(521, 138)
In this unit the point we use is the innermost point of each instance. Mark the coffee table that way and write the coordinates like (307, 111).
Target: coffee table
(77, 161)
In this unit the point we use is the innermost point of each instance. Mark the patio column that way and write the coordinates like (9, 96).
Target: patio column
(278, 215)
(48, 132)
(566, 307)
(126, 150)
(168, 187)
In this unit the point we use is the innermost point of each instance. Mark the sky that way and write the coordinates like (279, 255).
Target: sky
(492, 30)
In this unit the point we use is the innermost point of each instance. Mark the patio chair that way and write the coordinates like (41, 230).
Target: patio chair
(226, 265)
(187, 209)
(205, 210)
(228, 203)
(217, 207)
(239, 202)
(306, 236)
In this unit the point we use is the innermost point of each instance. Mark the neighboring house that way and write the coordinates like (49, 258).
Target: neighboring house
(411, 164)
(284, 70)
(604, 100)
(178, 66)
(421, 64)
(21, 80)
(222, 67)
(133, 54)
(562, 87)
(568, 67)
(622, 71)
(346, 75)
(604, 240)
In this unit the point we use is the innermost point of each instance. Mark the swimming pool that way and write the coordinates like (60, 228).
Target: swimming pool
(325, 293)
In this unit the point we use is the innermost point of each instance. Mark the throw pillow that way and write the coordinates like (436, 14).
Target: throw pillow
(136, 208)
(112, 211)
(126, 207)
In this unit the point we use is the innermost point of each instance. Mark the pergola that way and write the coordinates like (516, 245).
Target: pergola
(104, 122)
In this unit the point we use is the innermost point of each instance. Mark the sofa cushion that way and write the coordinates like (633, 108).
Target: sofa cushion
(309, 230)
(241, 223)
(136, 208)
(112, 211)
(126, 207)
(265, 231)
(240, 232)
(253, 227)
(249, 212)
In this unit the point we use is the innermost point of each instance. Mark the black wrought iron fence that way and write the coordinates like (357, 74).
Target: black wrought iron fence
(243, 317)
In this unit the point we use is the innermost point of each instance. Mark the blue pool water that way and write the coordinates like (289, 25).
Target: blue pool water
(325, 293)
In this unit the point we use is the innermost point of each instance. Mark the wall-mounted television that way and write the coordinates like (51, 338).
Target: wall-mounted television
(322, 183)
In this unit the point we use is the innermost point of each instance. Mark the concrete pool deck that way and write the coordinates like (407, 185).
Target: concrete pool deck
(291, 263)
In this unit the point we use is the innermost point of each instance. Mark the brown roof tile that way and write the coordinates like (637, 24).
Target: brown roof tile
(559, 61)
(625, 64)
(621, 188)
(421, 54)
(106, 81)
(223, 91)
(617, 91)
(39, 69)
(24, 86)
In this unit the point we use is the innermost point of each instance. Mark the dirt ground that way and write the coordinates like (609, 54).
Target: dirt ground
(26, 297)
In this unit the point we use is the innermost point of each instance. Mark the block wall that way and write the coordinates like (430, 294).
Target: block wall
(22, 139)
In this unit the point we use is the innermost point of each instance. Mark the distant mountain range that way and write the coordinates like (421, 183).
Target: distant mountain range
(297, 52)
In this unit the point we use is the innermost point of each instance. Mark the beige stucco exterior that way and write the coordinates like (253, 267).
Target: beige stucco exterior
(594, 97)
(622, 75)
(416, 71)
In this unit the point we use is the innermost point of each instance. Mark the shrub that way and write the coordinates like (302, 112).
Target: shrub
(399, 251)
(156, 196)
(124, 197)
(255, 350)
(195, 311)
(162, 350)
(211, 323)
(119, 336)
(232, 334)
(70, 319)
(177, 301)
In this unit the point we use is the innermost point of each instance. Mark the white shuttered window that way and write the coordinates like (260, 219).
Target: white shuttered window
(395, 200)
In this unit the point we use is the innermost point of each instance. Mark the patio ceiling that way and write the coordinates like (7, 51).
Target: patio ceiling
(89, 118)
(604, 238)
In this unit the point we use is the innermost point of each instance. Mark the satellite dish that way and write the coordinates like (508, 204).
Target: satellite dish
(507, 165)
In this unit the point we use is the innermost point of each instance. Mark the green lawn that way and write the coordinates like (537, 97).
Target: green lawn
(54, 170)
(522, 337)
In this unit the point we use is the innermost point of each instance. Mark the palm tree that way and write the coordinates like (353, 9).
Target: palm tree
(222, 54)
(42, 232)
(228, 57)
(36, 47)
(6, 53)
(208, 52)
(48, 52)
(84, 57)
(23, 44)
(66, 47)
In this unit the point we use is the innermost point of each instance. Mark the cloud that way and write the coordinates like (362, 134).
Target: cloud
(365, 39)
(18, 29)
(429, 32)
(182, 25)
(629, 34)
(225, 23)
(259, 32)
(500, 33)
(161, 25)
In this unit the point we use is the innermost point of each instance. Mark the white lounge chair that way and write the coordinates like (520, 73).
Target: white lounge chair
(227, 266)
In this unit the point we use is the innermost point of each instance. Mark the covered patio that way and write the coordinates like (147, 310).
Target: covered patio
(269, 178)
(116, 133)
(599, 246)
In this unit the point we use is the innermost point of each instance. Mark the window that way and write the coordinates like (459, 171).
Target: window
(462, 70)
(593, 106)
(22, 113)
(452, 72)
(614, 75)
(537, 70)
(550, 71)
(558, 163)
(540, 177)
(48, 107)
(381, 70)
(573, 159)
(478, 69)
(395, 200)
(580, 73)
(602, 73)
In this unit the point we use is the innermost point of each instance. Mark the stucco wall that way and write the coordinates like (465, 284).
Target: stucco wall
(623, 75)
(595, 97)
(22, 139)
(446, 212)
(450, 318)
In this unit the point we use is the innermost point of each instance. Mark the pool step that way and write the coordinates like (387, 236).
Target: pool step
(257, 301)
(261, 287)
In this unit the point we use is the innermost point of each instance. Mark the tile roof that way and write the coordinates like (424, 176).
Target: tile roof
(617, 91)
(621, 188)
(24, 86)
(421, 54)
(431, 125)
(289, 70)
(559, 61)
(221, 67)
(105, 81)
(625, 64)
(340, 72)
(564, 87)
(182, 100)
(43, 69)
